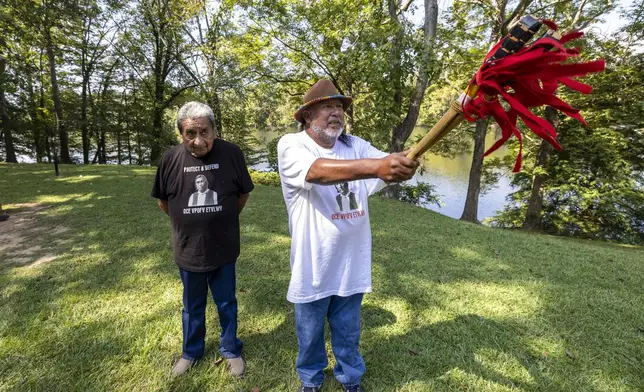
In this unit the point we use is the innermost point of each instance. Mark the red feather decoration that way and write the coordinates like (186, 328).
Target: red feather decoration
(527, 79)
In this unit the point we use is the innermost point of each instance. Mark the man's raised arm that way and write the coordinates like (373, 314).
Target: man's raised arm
(391, 168)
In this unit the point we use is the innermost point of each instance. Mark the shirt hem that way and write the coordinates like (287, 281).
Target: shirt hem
(203, 269)
(311, 298)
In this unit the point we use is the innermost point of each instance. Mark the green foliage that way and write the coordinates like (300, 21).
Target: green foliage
(272, 154)
(265, 178)
(594, 186)
(421, 194)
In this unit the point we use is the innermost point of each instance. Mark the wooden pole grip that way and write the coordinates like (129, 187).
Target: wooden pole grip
(449, 121)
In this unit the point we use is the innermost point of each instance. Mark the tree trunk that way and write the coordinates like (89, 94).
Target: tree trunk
(126, 116)
(535, 203)
(84, 124)
(41, 111)
(129, 147)
(4, 117)
(48, 146)
(139, 148)
(157, 131)
(62, 129)
(215, 105)
(157, 111)
(35, 120)
(470, 211)
(119, 143)
(102, 157)
(401, 132)
(118, 146)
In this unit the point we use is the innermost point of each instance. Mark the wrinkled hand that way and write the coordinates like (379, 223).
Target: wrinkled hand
(397, 168)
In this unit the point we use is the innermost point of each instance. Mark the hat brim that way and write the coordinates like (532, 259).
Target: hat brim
(346, 102)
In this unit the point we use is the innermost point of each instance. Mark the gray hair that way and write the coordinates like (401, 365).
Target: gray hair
(192, 110)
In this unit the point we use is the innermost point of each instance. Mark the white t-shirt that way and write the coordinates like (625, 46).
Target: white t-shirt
(329, 224)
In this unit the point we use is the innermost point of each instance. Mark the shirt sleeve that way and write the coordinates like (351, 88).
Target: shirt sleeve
(245, 183)
(294, 162)
(368, 151)
(159, 189)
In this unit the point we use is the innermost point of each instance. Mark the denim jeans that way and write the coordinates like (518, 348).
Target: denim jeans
(195, 295)
(343, 314)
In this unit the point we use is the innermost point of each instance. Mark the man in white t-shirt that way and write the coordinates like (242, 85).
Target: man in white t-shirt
(331, 235)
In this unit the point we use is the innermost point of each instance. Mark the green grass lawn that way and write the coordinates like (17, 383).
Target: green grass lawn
(90, 298)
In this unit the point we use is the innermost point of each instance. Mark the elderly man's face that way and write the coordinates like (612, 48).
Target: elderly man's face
(198, 135)
(201, 184)
(326, 118)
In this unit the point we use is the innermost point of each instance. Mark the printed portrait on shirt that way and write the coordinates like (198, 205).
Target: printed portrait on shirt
(203, 196)
(346, 197)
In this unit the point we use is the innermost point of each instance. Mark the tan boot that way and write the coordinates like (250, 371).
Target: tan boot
(237, 366)
(181, 367)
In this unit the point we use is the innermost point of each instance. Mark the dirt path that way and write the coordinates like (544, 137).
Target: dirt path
(21, 236)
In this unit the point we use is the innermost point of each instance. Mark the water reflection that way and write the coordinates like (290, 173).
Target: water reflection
(450, 176)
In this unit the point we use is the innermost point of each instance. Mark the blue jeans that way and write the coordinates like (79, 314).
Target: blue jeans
(195, 295)
(344, 319)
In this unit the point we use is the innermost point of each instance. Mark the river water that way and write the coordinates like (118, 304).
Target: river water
(450, 176)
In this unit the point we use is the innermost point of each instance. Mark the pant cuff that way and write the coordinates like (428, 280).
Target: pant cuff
(189, 358)
(309, 385)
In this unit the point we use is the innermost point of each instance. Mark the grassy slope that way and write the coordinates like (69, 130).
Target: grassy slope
(455, 306)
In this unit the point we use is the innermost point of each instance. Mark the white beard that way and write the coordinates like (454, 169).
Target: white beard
(327, 134)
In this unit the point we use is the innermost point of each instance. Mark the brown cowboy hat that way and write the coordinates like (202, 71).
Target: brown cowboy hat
(321, 91)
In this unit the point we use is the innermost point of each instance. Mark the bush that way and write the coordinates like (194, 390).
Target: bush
(422, 194)
(268, 178)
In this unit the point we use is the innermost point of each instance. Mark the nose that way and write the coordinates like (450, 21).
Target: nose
(198, 141)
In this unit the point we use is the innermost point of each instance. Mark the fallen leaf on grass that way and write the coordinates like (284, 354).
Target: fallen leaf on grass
(570, 355)
(255, 389)
(412, 352)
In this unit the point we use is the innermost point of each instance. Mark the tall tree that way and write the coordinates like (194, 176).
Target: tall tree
(215, 66)
(586, 13)
(53, 17)
(401, 132)
(94, 41)
(6, 128)
(498, 14)
(152, 44)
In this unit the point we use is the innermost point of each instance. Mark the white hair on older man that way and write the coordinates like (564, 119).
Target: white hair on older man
(193, 110)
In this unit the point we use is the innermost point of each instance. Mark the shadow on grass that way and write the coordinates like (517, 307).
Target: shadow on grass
(105, 313)
(581, 301)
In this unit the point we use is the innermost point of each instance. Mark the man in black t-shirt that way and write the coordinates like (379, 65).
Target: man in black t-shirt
(203, 185)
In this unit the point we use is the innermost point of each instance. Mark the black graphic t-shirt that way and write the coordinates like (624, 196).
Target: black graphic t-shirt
(202, 195)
